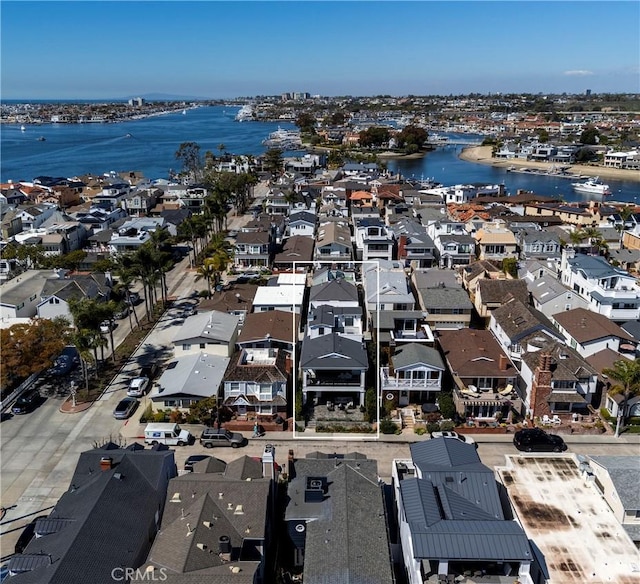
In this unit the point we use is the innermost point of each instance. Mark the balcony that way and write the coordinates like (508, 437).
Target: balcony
(419, 384)
(422, 335)
(345, 379)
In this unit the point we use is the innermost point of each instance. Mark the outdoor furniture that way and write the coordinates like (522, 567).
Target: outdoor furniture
(469, 392)
(546, 421)
(507, 390)
(556, 420)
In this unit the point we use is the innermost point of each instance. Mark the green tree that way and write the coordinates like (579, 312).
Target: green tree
(446, 405)
(306, 122)
(590, 135)
(510, 266)
(189, 154)
(412, 136)
(375, 136)
(371, 405)
(626, 374)
(273, 161)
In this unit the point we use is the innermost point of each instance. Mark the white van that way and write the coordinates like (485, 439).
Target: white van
(167, 433)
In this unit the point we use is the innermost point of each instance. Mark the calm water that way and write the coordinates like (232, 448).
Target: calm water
(149, 146)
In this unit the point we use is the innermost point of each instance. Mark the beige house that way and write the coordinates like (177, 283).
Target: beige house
(496, 243)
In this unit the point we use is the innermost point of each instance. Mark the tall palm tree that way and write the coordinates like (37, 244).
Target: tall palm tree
(627, 375)
(126, 277)
(207, 272)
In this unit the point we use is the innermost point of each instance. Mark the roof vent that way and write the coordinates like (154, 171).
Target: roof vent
(176, 498)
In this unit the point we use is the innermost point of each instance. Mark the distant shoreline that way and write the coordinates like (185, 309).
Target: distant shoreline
(482, 155)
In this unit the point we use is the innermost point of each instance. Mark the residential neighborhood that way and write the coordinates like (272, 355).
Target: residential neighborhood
(363, 343)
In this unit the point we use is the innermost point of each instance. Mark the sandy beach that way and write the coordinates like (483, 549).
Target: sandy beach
(482, 155)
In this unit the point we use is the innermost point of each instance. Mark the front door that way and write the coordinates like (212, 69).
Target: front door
(403, 400)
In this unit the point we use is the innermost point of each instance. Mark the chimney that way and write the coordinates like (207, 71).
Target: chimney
(106, 463)
(291, 471)
(402, 242)
(541, 386)
(287, 365)
(224, 548)
(503, 363)
(268, 462)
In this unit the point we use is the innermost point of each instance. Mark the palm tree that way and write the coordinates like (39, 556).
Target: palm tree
(627, 374)
(126, 277)
(206, 271)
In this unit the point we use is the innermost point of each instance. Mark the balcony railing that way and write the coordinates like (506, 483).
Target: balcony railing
(388, 382)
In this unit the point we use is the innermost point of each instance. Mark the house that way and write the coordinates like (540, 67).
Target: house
(187, 380)
(387, 288)
(550, 297)
(477, 271)
(119, 492)
(20, 296)
(373, 241)
(451, 517)
(610, 291)
(589, 332)
(34, 216)
(391, 327)
(333, 365)
(141, 201)
(513, 321)
(286, 297)
(455, 246)
(496, 243)
(538, 244)
(617, 478)
(301, 223)
(415, 248)
(343, 320)
(335, 519)
(338, 292)
(276, 202)
(274, 329)
(333, 242)
(481, 370)
(234, 298)
(210, 332)
(297, 251)
(256, 381)
(229, 508)
(490, 294)
(58, 291)
(252, 249)
(414, 374)
(555, 379)
(442, 298)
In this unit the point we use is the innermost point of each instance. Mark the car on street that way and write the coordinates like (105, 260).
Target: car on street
(125, 408)
(122, 313)
(134, 298)
(27, 402)
(27, 534)
(106, 326)
(138, 386)
(193, 459)
(65, 362)
(537, 440)
(454, 435)
(212, 437)
(232, 233)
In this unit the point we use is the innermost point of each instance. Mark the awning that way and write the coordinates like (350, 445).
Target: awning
(566, 398)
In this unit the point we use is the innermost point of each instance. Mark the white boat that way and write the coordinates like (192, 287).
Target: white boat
(284, 139)
(591, 186)
(245, 113)
(23, 129)
(184, 112)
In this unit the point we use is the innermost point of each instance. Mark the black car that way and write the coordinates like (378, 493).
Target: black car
(537, 440)
(65, 362)
(27, 535)
(193, 459)
(27, 402)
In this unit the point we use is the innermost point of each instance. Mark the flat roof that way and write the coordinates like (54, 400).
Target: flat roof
(569, 520)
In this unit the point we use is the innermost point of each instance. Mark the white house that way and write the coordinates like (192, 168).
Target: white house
(209, 332)
(287, 298)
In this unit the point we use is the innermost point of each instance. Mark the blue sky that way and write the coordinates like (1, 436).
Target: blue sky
(111, 49)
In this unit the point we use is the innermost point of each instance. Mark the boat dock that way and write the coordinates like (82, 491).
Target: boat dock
(550, 172)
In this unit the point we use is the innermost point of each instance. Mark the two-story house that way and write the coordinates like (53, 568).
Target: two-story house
(301, 222)
(256, 381)
(333, 242)
(414, 374)
(373, 240)
(415, 248)
(538, 244)
(252, 249)
(210, 332)
(550, 297)
(333, 366)
(610, 291)
(344, 320)
(496, 243)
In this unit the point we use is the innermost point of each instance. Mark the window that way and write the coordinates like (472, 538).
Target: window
(169, 403)
(186, 347)
(348, 321)
(203, 345)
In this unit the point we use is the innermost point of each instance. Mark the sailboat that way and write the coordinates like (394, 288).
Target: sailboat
(184, 112)
(22, 128)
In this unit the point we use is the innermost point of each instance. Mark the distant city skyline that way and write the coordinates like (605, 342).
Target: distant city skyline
(209, 50)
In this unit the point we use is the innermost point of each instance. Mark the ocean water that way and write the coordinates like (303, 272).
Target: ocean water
(149, 146)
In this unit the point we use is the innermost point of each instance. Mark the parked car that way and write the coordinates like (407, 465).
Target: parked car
(106, 326)
(65, 362)
(138, 387)
(149, 371)
(134, 298)
(123, 313)
(27, 402)
(193, 459)
(454, 435)
(27, 534)
(233, 233)
(537, 440)
(125, 408)
(212, 437)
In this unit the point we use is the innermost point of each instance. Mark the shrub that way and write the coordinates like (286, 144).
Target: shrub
(446, 405)
(159, 417)
(447, 426)
(388, 427)
(433, 427)
(605, 415)
(147, 414)
(433, 416)
(420, 431)
(176, 417)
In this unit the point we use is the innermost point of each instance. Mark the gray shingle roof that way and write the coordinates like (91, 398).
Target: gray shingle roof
(333, 352)
(346, 534)
(445, 298)
(518, 320)
(625, 475)
(337, 290)
(412, 353)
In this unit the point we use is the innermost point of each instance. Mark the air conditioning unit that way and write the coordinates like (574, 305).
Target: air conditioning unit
(315, 484)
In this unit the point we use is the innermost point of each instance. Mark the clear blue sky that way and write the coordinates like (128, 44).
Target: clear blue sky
(110, 49)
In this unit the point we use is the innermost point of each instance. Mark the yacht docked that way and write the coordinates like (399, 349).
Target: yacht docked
(283, 139)
(591, 186)
(245, 113)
